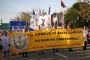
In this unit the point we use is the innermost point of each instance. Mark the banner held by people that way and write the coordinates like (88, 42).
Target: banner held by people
(46, 39)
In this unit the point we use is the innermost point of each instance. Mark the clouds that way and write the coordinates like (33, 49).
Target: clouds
(10, 8)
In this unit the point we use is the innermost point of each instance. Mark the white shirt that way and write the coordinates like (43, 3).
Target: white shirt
(85, 32)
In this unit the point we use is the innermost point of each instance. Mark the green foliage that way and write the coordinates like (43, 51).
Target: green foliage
(24, 16)
(78, 14)
(76, 6)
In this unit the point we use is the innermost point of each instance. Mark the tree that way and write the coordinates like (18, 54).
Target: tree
(84, 12)
(71, 16)
(84, 1)
(24, 16)
(78, 14)
(83, 9)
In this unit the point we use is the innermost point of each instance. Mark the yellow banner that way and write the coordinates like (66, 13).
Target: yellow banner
(46, 39)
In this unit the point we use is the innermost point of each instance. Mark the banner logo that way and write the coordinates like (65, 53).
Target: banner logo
(19, 41)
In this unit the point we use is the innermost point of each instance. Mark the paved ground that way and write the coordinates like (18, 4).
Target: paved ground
(64, 54)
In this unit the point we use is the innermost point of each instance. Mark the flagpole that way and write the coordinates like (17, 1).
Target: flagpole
(54, 21)
(57, 19)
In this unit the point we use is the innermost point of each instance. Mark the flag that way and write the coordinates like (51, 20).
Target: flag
(49, 10)
(47, 20)
(62, 17)
(1, 22)
(62, 4)
(33, 12)
(55, 19)
(69, 25)
(43, 12)
(40, 12)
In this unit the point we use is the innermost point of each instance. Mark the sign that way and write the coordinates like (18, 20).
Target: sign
(17, 24)
(47, 39)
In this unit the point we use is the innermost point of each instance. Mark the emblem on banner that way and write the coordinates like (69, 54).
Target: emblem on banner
(19, 41)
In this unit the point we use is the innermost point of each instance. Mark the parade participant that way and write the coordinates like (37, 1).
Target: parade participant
(56, 50)
(69, 27)
(40, 51)
(25, 54)
(85, 32)
(6, 43)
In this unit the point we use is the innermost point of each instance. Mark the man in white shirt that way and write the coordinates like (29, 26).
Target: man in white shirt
(85, 32)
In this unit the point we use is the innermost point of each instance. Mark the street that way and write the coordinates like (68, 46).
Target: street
(77, 54)
(64, 54)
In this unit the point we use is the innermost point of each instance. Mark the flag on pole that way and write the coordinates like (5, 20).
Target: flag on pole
(55, 19)
(49, 10)
(33, 12)
(62, 4)
(40, 12)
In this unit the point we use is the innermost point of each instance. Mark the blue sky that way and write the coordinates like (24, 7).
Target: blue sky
(10, 8)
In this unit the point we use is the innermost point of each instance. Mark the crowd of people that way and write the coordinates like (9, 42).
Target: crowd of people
(5, 42)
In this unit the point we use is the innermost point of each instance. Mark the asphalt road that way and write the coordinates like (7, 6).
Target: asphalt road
(64, 54)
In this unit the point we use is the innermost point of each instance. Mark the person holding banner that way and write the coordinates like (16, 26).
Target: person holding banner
(69, 27)
(25, 54)
(85, 32)
(40, 51)
(56, 50)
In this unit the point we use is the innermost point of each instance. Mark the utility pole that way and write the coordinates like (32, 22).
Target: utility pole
(1, 24)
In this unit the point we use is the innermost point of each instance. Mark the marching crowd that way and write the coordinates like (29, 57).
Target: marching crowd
(5, 42)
